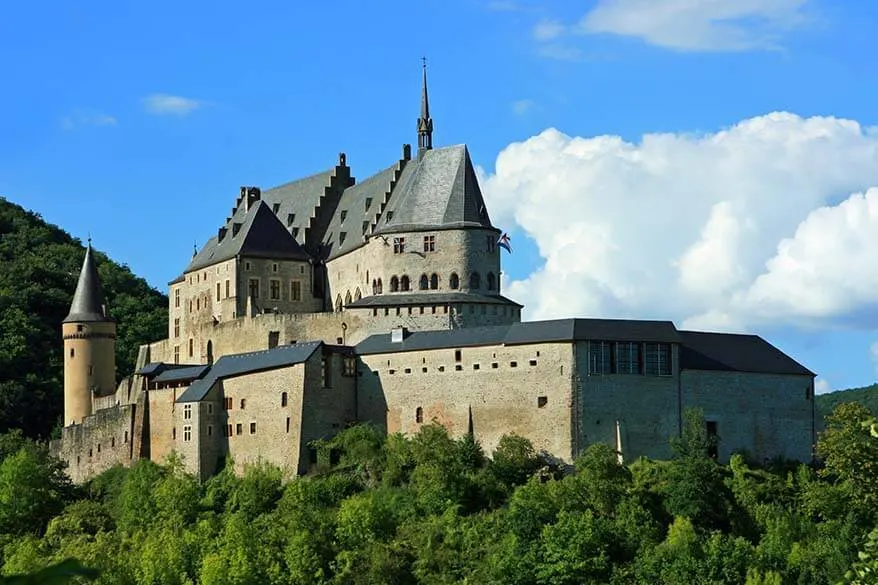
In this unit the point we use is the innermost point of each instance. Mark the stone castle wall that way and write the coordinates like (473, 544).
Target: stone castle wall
(102, 440)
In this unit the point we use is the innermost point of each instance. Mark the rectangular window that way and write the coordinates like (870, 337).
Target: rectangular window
(176, 354)
(187, 411)
(429, 243)
(600, 357)
(326, 372)
(187, 433)
(191, 347)
(274, 290)
(350, 367)
(274, 267)
(657, 359)
(712, 436)
(227, 287)
(398, 245)
(177, 327)
(177, 298)
(254, 288)
(296, 290)
(218, 292)
(209, 430)
(627, 357)
(491, 243)
(253, 428)
(239, 429)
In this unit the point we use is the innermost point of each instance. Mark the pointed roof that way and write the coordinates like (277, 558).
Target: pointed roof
(88, 301)
(259, 233)
(425, 122)
(440, 190)
(425, 103)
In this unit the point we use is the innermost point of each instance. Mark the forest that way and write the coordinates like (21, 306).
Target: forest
(435, 509)
(39, 267)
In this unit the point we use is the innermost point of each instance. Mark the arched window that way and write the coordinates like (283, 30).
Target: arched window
(338, 304)
(454, 281)
(490, 280)
(358, 295)
(380, 287)
(475, 281)
(283, 398)
(425, 282)
(419, 415)
(404, 283)
(434, 281)
(347, 298)
(394, 284)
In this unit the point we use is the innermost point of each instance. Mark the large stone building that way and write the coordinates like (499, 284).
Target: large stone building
(327, 301)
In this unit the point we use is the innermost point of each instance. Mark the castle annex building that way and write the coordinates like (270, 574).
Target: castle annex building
(329, 301)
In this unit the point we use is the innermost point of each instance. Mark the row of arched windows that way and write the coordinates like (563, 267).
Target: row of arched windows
(403, 283)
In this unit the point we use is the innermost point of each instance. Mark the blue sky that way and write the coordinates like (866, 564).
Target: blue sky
(137, 122)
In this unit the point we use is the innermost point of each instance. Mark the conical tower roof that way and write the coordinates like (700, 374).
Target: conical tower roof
(88, 301)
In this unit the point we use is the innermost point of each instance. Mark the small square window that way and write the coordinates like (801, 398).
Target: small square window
(542, 401)
(513, 364)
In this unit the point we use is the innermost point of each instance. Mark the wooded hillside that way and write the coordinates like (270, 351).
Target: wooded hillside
(39, 267)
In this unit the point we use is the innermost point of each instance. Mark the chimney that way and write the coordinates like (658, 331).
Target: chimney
(342, 159)
(406, 152)
(253, 195)
(398, 334)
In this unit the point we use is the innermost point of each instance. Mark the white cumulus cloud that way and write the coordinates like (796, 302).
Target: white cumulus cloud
(163, 104)
(698, 25)
(822, 386)
(770, 221)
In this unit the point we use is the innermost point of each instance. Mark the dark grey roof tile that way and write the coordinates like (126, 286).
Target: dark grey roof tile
(735, 353)
(429, 298)
(88, 301)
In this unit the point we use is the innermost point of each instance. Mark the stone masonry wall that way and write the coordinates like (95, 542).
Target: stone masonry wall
(526, 390)
(765, 414)
(104, 439)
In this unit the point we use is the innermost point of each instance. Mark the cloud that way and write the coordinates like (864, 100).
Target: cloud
(696, 25)
(822, 386)
(522, 107)
(546, 30)
(82, 118)
(769, 221)
(163, 104)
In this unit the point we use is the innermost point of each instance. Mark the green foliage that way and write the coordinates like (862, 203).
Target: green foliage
(866, 396)
(41, 265)
(849, 450)
(433, 509)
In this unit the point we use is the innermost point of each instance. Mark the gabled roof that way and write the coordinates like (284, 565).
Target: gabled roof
(429, 298)
(559, 330)
(229, 366)
(181, 374)
(438, 191)
(735, 353)
(88, 301)
(260, 234)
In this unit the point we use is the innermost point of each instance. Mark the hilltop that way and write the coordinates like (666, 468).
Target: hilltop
(867, 396)
(39, 265)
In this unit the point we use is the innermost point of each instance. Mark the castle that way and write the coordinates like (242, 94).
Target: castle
(326, 301)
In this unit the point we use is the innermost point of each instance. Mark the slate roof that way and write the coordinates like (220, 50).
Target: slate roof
(429, 298)
(88, 301)
(352, 212)
(526, 332)
(181, 374)
(245, 363)
(735, 353)
(438, 191)
(298, 199)
(261, 234)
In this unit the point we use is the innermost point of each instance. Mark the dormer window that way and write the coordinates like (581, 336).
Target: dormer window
(291, 217)
(275, 208)
(295, 232)
(341, 237)
(368, 203)
(389, 215)
(344, 214)
(365, 227)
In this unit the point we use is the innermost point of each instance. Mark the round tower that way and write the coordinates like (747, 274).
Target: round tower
(89, 346)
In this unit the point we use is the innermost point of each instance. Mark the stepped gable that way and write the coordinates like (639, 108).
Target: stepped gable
(361, 208)
(295, 203)
(88, 301)
(256, 233)
(439, 190)
(732, 352)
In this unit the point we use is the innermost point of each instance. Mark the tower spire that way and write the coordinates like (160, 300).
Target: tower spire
(88, 300)
(425, 122)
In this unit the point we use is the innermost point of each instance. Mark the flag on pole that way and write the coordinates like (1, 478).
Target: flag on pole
(503, 242)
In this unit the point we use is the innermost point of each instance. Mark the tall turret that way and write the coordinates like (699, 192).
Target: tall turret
(425, 122)
(89, 345)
